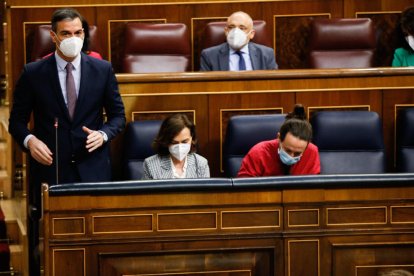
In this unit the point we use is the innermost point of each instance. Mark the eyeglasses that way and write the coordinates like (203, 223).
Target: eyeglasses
(67, 34)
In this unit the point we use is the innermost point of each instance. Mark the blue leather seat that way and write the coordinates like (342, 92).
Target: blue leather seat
(405, 140)
(349, 142)
(138, 139)
(245, 131)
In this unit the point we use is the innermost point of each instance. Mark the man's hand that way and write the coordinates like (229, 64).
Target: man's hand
(94, 140)
(39, 151)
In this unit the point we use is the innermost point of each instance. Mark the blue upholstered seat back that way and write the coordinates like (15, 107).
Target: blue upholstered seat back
(138, 139)
(405, 140)
(245, 131)
(349, 142)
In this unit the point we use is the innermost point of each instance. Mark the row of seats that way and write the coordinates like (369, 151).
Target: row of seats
(334, 43)
(349, 142)
(43, 44)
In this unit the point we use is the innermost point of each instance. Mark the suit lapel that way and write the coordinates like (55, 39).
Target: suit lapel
(191, 166)
(56, 88)
(224, 57)
(83, 86)
(84, 83)
(166, 170)
(254, 57)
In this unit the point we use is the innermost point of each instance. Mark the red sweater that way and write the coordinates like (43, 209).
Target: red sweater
(263, 160)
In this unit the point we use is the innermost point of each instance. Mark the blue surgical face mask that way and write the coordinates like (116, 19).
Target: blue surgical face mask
(286, 158)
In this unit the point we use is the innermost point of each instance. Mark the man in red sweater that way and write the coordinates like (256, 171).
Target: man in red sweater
(291, 153)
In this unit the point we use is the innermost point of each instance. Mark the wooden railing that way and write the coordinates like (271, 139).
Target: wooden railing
(313, 225)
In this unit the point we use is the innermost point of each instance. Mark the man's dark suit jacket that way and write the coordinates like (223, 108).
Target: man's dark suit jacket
(216, 58)
(38, 91)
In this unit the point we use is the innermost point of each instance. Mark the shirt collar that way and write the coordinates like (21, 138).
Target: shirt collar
(61, 63)
(244, 49)
(175, 174)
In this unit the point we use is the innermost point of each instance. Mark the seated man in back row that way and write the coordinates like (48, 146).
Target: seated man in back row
(238, 53)
(291, 153)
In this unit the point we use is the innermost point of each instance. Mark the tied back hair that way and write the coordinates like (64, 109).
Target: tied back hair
(298, 113)
(296, 124)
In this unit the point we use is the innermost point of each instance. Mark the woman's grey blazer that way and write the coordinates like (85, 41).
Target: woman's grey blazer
(159, 167)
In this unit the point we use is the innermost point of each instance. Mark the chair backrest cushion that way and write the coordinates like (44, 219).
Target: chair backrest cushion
(138, 139)
(214, 34)
(405, 140)
(43, 44)
(349, 142)
(245, 131)
(156, 48)
(342, 43)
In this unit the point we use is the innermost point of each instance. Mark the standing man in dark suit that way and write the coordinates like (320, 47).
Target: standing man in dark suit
(66, 93)
(238, 53)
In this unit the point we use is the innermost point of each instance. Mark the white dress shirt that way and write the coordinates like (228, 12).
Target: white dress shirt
(76, 72)
(234, 58)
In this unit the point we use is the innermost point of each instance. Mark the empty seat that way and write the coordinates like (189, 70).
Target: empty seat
(43, 44)
(138, 139)
(151, 48)
(214, 34)
(405, 140)
(349, 142)
(245, 131)
(342, 43)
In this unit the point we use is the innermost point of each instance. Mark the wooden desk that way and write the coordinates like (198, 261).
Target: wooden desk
(313, 225)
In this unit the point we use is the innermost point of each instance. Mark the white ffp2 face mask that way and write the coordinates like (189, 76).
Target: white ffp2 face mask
(179, 151)
(236, 38)
(71, 47)
(410, 41)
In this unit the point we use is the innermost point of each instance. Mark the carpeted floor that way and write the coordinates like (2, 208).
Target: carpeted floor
(4, 245)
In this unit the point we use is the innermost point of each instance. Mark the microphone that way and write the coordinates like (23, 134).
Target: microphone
(56, 125)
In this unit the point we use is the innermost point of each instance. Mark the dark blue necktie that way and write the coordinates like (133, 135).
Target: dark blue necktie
(242, 64)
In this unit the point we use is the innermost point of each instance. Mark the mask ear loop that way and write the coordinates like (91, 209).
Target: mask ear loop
(57, 38)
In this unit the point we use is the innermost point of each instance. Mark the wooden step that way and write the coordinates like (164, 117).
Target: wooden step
(5, 183)
(3, 155)
(13, 231)
(15, 216)
(16, 257)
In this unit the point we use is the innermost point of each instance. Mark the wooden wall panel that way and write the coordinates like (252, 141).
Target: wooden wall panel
(372, 259)
(309, 262)
(61, 265)
(209, 263)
